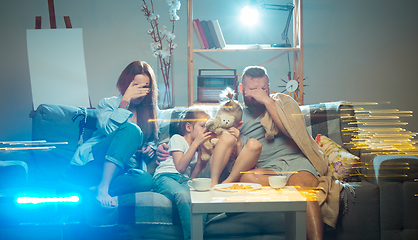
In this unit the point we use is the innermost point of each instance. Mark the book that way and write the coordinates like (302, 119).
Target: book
(199, 38)
(219, 33)
(213, 34)
(202, 34)
(207, 34)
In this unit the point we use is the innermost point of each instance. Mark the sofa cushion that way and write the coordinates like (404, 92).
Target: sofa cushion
(133, 208)
(333, 119)
(340, 160)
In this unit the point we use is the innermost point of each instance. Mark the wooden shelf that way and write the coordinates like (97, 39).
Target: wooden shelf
(297, 50)
(248, 47)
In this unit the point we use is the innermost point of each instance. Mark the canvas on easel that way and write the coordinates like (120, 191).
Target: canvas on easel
(57, 67)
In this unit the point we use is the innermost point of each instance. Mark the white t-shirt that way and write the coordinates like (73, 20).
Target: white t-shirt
(176, 143)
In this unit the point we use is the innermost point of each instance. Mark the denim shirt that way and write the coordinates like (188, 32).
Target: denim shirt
(109, 118)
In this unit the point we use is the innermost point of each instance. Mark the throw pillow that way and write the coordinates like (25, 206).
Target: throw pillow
(340, 160)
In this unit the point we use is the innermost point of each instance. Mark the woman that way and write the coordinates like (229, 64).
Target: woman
(124, 124)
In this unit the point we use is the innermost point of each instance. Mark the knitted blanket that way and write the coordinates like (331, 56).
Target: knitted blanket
(291, 116)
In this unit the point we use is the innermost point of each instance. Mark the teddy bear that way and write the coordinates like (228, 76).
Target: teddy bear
(218, 125)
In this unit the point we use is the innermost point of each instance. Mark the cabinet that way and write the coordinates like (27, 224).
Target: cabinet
(296, 50)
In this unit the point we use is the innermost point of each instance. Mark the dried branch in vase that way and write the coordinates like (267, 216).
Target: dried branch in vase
(162, 44)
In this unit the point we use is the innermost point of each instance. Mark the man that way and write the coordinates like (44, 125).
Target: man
(280, 153)
(287, 148)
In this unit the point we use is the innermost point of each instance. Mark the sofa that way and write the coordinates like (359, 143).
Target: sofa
(379, 200)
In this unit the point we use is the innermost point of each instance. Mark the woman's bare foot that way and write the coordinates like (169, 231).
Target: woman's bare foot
(104, 198)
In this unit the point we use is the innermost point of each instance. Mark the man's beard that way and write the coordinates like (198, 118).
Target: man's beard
(252, 105)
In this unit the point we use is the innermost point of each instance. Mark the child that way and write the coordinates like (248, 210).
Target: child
(229, 145)
(184, 163)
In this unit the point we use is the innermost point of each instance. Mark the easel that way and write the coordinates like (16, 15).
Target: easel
(53, 25)
(52, 19)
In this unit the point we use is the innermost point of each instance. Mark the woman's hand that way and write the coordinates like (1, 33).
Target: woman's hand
(162, 153)
(135, 91)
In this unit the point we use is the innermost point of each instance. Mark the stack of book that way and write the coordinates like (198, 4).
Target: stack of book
(209, 34)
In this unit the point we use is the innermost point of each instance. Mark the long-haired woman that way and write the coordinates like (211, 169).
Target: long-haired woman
(125, 125)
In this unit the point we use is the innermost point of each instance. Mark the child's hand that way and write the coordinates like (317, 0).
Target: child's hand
(202, 136)
(234, 132)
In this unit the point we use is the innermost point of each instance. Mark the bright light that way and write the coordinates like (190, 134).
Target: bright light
(249, 15)
(36, 200)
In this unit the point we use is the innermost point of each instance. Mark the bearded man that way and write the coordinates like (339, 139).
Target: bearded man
(287, 148)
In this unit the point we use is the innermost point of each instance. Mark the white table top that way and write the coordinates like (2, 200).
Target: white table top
(285, 199)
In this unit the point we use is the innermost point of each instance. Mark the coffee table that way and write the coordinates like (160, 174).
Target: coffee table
(267, 199)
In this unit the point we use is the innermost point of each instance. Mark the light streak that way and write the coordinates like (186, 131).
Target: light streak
(379, 131)
(26, 148)
(37, 200)
(178, 120)
(29, 145)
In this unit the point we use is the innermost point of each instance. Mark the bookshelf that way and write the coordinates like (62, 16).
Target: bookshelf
(296, 50)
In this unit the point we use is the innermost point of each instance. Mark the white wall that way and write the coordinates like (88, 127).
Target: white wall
(353, 50)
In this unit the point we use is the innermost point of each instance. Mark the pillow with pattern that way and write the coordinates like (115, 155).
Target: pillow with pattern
(340, 160)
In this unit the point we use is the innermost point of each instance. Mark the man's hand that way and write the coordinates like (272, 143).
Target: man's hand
(148, 151)
(162, 153)
(260, 95)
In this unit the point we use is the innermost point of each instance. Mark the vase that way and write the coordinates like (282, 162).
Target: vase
(165, 87)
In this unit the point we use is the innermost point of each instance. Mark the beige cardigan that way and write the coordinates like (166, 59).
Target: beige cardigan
(291, 116)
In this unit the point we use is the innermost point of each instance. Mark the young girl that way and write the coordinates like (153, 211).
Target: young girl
(184, 163)
(229, 146)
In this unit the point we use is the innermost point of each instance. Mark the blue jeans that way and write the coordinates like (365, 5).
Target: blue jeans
(118, 148)
(174, 187)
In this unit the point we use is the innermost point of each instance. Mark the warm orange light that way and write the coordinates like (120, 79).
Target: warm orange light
(378, 131)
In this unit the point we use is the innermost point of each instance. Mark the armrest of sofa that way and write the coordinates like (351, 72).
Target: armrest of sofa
(362, 219)
(61, 123)
(396, 176)
(58, 123)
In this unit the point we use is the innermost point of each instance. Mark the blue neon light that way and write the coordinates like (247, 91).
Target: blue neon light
(36, 200)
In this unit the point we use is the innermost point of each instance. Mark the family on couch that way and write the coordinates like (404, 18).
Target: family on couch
(272, 137)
